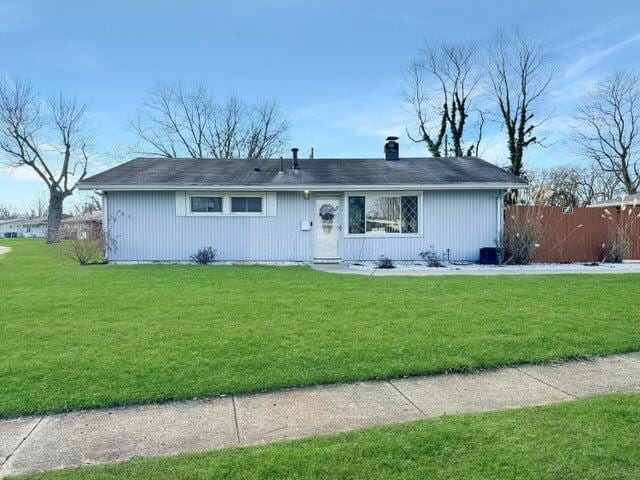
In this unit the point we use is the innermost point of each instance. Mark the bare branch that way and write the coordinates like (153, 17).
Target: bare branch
(606, 130)
(573, 186)
(175, 121)
(440, 87)
(50, 138)
(520, 71)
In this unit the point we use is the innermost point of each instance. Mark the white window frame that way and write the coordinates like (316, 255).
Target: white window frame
(396, 193)
(226, 204)
(204, 194)
(263, 204)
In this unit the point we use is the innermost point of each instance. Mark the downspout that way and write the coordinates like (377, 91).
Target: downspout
(105, 224)
(500, 216)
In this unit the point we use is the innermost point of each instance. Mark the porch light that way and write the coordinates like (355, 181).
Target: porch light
(306, 194)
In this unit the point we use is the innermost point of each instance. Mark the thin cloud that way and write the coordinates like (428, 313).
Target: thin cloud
(592, 59)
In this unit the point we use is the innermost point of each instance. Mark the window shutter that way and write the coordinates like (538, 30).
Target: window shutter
(181, 203)
(272, 204)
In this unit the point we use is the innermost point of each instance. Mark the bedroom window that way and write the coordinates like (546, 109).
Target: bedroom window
(206, 204)
(225, 204)
(382, 214)
(246, 204)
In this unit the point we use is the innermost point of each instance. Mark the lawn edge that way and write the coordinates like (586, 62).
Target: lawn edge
(381, 378)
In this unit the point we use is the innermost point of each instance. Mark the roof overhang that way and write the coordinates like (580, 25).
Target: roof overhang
(313, 188)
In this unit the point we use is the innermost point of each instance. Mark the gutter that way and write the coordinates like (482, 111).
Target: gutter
(314, 188)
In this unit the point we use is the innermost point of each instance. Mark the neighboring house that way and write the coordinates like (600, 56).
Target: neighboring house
(34, 227)
(159, 209)
(25, 227)
(7, 228)
(631, 200)
(81, 226)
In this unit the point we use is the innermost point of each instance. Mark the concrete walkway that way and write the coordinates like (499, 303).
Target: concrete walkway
(4, 250)
(30, 444)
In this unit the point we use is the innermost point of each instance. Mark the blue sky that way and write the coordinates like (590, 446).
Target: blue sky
(337, 67)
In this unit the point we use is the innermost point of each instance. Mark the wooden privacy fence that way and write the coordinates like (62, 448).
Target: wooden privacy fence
(577, 236)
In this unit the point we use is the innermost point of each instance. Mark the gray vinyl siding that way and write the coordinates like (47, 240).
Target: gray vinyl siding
(143, 226)
(459, 220)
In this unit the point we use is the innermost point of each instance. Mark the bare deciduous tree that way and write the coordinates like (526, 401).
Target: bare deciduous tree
(7, 212)
(177, 121)
(520, 70)
(90, 205)
(417, 94)
(50, 137)
(607, 127)
(574, 186)
(36, 208)
(440, 87)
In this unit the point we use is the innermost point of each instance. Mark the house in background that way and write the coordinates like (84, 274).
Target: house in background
(302, 210)
(7, 228)
(631, 200)
(25, 227)
(81, 226)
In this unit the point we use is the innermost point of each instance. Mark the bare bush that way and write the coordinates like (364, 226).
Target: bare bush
(83, 242)
(385, 262)
(432, 257)
(621, 230)
(617, 245)
(522, 234)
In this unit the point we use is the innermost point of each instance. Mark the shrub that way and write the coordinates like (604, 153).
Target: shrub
(83, 242)
(617, 246)
(431, 257)
(385, 262)
(521, 236)
(204, 256)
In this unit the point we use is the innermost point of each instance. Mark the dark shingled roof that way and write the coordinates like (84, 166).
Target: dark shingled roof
(194, 172)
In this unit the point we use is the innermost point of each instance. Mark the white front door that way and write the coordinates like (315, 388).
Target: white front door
(327, 226)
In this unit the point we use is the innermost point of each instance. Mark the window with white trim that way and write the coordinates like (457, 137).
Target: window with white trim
(381, 214)
(206, 204)
(226, 204)
(246, 204)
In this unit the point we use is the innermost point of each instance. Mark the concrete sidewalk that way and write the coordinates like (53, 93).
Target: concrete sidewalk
(30, 444)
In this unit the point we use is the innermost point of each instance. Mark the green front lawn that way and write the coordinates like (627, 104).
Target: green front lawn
(103, 335)
(580, 440)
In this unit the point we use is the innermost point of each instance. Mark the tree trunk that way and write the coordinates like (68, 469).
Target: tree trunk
(56, 199)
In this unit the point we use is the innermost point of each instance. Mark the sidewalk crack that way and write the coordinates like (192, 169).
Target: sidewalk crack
(546, 383)
(235, 417)
(405, 397)
(6, 460)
